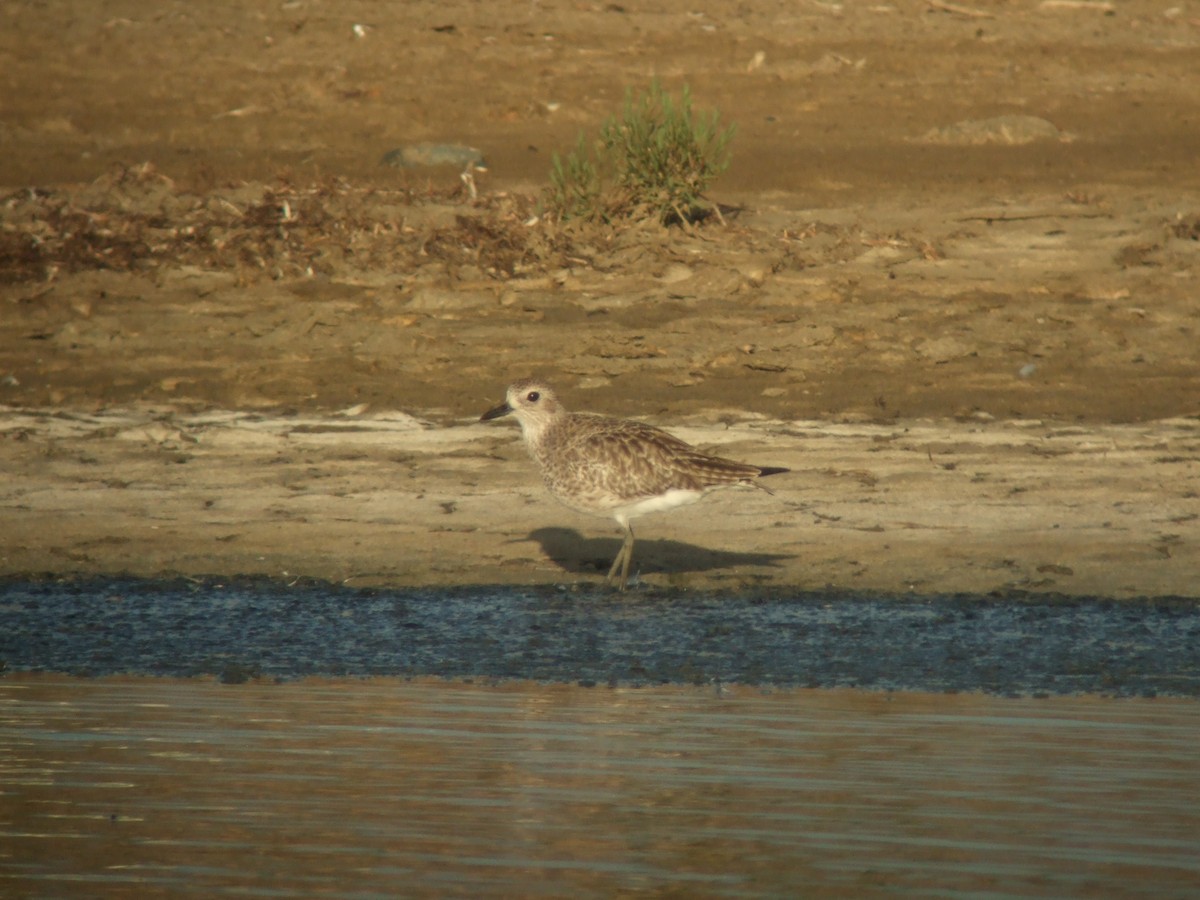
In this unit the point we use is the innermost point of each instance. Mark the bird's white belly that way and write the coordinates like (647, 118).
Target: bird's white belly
(659, 503)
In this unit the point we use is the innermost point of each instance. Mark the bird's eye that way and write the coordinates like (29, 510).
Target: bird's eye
(532, 396)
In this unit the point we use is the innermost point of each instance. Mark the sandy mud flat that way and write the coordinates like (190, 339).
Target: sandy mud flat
(955, 292)
(915, 507)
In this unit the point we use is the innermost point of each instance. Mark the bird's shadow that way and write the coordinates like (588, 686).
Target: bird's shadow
(574, 552)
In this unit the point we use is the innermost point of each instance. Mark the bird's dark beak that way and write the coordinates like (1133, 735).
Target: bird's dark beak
(502, 410)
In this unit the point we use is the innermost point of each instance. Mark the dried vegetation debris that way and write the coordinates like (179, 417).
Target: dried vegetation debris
(1186, 228)
(136, 219)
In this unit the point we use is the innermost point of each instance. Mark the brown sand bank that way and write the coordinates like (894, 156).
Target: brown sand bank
(959, 299)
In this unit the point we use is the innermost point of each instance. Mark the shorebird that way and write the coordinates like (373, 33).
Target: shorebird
(615, 467)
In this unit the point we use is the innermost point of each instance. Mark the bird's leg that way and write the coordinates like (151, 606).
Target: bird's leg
(628, 545)
(624, 555)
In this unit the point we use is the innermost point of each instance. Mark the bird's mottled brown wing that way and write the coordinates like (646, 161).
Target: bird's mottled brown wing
(640, 460)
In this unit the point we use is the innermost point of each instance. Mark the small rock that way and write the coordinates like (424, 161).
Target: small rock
(676, 273)
(413, 156)
(431, 299)
(1011, 130)
(944, 349)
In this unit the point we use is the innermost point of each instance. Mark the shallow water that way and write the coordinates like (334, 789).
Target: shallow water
(244, 629)
(382, 788)
(551, 773)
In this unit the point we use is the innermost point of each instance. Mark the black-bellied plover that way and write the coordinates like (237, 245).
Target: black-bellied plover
(615, 467)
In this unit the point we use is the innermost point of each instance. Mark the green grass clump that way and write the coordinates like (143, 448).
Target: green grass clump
(655, 161)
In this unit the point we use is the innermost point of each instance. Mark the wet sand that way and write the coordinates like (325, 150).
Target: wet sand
(243, 629)
(1009, 508)
(153, 788)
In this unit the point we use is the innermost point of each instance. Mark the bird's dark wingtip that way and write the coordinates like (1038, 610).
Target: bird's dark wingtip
(764, 471)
